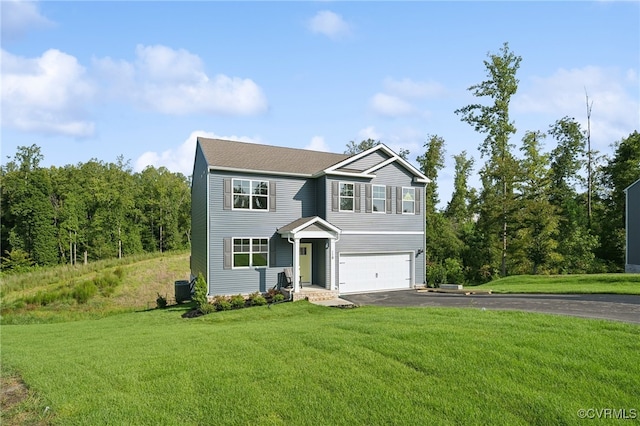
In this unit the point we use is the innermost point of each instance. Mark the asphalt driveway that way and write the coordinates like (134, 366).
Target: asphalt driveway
(603, 306)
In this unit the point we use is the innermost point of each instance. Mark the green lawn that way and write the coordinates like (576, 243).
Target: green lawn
(297, 363)
(566, 284)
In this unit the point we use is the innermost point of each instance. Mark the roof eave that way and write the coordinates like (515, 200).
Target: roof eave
(267, 172)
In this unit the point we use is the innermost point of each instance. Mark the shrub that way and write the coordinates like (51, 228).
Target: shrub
(207, 308)
(200, 293)
(257, 299)
(221, 303)
(107, 283)
(119, 272)
(237, 301)
(85, 291)
(278, 297)
(453, 271)
(161, 302)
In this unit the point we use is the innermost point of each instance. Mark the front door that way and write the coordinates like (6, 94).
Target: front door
(305, 263)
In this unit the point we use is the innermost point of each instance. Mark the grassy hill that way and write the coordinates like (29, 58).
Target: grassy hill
(65, 293)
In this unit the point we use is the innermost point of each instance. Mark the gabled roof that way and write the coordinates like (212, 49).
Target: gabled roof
(250, 157)
(313, 224)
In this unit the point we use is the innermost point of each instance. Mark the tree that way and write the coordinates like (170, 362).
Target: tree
(430, 164)
(493, 120)
(356, 148)
(458, 209)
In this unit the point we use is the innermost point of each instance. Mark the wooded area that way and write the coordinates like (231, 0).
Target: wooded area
(555, 212)
(89, 211)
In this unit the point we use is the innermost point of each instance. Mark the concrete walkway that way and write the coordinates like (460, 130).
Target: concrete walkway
(336, 303)
(616, 307)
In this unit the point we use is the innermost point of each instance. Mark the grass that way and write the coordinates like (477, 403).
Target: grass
(297, 363)
(567, 284)
(129, 284)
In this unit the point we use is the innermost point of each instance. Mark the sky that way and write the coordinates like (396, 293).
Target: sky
(143, 79)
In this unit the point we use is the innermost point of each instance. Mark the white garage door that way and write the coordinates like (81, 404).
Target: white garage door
(373, 272)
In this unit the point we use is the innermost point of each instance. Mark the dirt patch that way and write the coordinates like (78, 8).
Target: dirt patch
(12, 392)
(17, 406)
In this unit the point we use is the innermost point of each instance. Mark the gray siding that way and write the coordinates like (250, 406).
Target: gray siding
(633, 228)
(295, 198)
(368, 161)
(199, 216)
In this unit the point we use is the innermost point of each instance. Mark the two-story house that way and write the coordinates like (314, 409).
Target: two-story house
(632, 257)
(352, 223)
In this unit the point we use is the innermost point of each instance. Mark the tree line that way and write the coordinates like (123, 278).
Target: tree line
(89, 211)
(537, 212)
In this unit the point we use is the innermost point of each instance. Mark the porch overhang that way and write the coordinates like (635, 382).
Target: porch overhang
(311, 228)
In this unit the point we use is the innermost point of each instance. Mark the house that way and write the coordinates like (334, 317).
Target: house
(632, 262)
(348, 223)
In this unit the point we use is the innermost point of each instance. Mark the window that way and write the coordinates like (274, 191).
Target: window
(346, 197)
(408, 200)
(250, 194)
(379, 197)
(250, 252)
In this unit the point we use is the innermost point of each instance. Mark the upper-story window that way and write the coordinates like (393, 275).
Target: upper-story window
(408, 200)
(346, 197)
(379, 198)
(250, 194)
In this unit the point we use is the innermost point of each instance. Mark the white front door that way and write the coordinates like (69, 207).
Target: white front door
(305, 263)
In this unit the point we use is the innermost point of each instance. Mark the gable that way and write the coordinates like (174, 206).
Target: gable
(366, 162)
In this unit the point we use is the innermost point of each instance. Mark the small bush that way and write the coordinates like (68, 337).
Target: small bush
(257, 299)
(207, 308)
(200, 293)
(85, 291)
(119, 272)
(237, 301)
(106, 283)
(221, 303)
(161, 302)
(278, 297)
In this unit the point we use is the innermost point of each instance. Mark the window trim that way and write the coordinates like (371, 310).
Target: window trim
(250, 252)
(352, 197)
(251, 195)
(414, 199)
(373, 199)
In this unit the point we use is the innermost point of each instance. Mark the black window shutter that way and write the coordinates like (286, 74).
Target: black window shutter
(418, 192)
(272, 196)
(227, 194)
(367, 198)
(399, 199)
(334, 196)
(227, 253)
(356, 197)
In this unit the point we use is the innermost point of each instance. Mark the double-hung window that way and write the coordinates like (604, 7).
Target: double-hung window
(408, 200)
(250, 194)
(379, 197)
(250, 252)
(346, 197)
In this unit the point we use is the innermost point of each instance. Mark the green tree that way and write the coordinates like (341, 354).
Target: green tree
(493, 120)
(356, 148)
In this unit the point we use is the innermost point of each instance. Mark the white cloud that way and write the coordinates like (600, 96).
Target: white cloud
(318, 144)
(369, 133)
(407, 88)
(174, 82)
(330, 24)
(47, 94)
(390, 106)
(19, 17)
(180, 159)
(615, 110)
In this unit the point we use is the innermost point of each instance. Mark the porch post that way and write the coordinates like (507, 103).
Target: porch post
(296, 265)
(333, 285)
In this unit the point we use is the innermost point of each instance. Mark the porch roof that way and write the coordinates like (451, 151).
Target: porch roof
(310, 227)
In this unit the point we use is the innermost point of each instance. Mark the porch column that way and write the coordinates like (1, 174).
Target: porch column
(296, 265)
(333, 285)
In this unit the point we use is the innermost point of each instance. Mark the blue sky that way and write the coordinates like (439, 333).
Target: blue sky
(142, 79)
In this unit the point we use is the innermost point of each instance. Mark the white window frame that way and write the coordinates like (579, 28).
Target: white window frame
(250, 252)
(383, 199)
(352, 197)
(414, 200)
(251, 195)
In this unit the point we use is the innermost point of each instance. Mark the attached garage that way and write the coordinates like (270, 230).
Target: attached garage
(359, 273)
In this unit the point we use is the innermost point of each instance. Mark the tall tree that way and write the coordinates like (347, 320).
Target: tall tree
(356, 148)
(494, 121)
(458, 209)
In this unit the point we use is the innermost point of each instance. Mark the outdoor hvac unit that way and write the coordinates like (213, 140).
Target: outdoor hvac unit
(183, 291)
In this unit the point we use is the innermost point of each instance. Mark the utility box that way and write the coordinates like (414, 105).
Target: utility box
(183, 291)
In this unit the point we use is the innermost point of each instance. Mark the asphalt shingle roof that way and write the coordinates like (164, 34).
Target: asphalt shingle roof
(251, 156)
